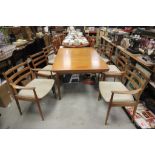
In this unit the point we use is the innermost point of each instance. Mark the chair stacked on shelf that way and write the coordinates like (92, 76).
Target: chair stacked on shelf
(33, 89)
(125, 93)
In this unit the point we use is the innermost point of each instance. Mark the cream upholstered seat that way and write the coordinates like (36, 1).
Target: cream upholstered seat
(125, 93)
(106, 60)
(106, 87)
(39, 59)
(34, 91)
(112, 68)
(51, 58)
(117, 70)
(112, 72)
(47, 73)
(42, 87)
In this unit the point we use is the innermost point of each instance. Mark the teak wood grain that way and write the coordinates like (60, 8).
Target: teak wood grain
(79, 60)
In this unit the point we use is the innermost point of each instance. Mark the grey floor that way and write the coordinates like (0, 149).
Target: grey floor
(78, 109)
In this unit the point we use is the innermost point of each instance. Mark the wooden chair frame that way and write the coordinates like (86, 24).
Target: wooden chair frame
(56, 44)
(47, 51)
(14, 79)
(38, 59)
(109, 51)
(121, 63)
(130, 76)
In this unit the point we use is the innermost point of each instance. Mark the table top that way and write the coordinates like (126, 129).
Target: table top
(79, 60)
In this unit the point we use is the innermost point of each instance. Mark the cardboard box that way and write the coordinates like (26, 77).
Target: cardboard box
(4, 95)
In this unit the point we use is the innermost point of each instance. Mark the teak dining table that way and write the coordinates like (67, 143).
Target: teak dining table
(76, 61)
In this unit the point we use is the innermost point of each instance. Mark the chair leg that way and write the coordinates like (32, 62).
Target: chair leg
(54, 91)
(107, 114)
(39, 108)
(58, 86)
(114, 79)
(134, 112)
(99, 96)
(18, 105)
(103, 77)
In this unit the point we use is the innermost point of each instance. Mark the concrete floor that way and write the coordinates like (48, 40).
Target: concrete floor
(78, 109)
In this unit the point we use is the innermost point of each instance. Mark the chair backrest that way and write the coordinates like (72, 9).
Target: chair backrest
(109, 50)
(135, 79)
(39, 60)
(18, 74)
(46, 40)
(61, 37)
(122, 61)
(91, 41)
(56, 44)
(47, 50)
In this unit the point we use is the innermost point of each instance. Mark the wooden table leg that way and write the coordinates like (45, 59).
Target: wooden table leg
(58, 85)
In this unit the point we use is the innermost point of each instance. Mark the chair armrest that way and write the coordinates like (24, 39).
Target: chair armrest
(21, 87)
(115, 73)
(51, 53)
(131, 92)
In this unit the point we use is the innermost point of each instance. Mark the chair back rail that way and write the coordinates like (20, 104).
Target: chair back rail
(17, 74)
(56, 44)
(109, 50)
(38, 59)
(122, 61)
(47, 50)
(135, 79)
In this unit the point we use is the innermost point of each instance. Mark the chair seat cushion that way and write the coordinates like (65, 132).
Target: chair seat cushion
(106, 60)
(106, 87)
(113, 68)
(46, 73)
(42, 87)
(51, 58)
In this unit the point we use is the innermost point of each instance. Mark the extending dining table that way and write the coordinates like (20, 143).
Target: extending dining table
(76, 61)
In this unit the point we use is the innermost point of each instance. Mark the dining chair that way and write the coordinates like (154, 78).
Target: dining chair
(101, 52)
(61, 38)
(46, 40)
(125, 93)
(109, 51)
(56, 44)
(33, 90)
(41, 66)
(50, 54)
(91, 41)
(119, 69)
